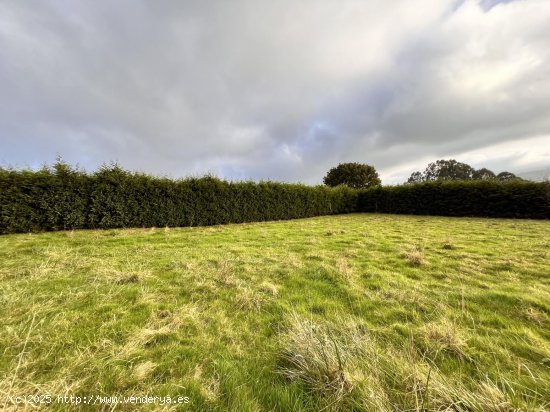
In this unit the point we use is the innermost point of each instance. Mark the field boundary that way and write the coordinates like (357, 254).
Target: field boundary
(64, 198)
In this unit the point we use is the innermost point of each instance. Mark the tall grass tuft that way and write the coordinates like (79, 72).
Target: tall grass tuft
(338, 364)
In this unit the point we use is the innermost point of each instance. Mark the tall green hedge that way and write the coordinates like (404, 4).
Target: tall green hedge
(61, 197)
(517, 199)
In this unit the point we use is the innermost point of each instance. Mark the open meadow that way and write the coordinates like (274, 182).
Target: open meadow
(360, 312)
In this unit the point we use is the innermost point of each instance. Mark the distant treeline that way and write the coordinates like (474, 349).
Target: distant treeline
(61, 197)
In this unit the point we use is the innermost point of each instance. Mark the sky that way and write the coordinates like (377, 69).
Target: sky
(275, 90)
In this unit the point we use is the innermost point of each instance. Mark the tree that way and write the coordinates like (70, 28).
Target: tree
(355, 175)
(507, 176)
(483, 174)
(453, 170)
(416, 177)
(448, 170)
(443, 170)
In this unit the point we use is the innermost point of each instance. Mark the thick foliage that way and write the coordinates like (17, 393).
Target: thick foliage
(61, 198)
(484, 174)
(485, 198)
(453, 170)
(64, 198)
(355, 175)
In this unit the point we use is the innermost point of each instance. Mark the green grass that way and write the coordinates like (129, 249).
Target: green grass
(353, 312)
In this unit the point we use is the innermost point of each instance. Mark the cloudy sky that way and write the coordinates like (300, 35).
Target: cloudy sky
(278, 90)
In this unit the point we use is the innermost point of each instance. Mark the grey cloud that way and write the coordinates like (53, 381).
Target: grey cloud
(269, 90)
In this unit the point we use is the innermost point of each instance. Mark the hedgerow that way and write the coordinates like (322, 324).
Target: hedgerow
(62, 197)
(514, 199)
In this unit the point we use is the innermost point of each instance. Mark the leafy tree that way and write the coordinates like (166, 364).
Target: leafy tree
(416, 177)
(507, 176)
(453, 170)
(448, 170)
(483, 174)
(355, 175)
(443, 170)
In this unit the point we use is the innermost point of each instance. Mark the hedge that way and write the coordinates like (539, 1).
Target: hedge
(61, 197)
(516, 199)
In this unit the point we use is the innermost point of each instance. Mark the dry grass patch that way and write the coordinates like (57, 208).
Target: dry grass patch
(210, 386)
(445, 336)
(448, 244)
(333, 232)
(487, 396)
(143, 370)
(415, 257)
(269, 288)
(126, 279)
(338, 364)
(128, 272)
(294, 261)
(344, 268)
(536, 316)
(315, 255)
(224, 273)
(250, 299)
(161, 324)
(342, 364)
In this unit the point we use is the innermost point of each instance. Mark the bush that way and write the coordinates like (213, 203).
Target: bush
(61, 197)
(485, 198)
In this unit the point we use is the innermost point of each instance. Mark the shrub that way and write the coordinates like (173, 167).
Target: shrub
(484, 198)
(64, 198)
(61, 197)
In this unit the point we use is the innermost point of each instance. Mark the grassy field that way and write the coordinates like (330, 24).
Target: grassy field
(354, 312)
